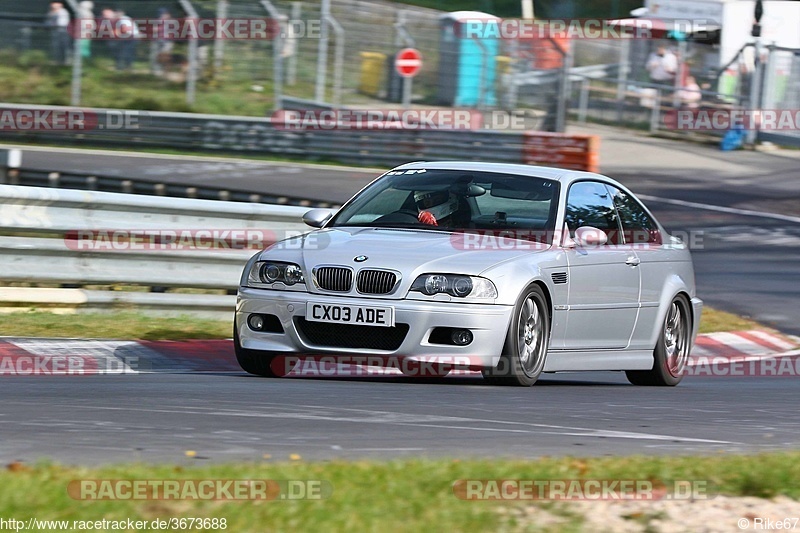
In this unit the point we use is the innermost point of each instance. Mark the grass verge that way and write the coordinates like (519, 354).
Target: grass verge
(400, 495)
(131, 325)
(117, 325)
(715, 320)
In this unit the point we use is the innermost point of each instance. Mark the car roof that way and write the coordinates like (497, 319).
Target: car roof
(563, 175)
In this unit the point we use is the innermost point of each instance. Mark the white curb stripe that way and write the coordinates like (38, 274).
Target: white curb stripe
(740, 344)
(699, 351)
(773, 339)
(102, 352)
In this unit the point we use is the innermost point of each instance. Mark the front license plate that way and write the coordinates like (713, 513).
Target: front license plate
(350, 314)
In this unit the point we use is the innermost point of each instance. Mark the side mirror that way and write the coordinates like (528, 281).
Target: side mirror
(590, 236)
(316, 218)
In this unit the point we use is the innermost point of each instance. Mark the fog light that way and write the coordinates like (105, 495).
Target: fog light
(255, 322)
(461, 337)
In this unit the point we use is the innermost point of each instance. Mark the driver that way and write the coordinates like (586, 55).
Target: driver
(435, 206)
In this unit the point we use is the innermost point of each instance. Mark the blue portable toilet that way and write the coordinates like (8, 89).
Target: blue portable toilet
(469, 42)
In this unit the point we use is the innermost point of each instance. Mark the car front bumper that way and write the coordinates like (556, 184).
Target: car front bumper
(487, 322)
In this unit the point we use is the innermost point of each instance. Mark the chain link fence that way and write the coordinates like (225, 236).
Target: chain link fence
(345, 57)
(782, 90)
(757, 78)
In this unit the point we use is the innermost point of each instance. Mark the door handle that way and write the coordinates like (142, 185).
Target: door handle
(633, 261)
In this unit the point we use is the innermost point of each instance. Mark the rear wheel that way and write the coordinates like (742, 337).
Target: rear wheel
(671, 353)
(527, 339)
(255, 362)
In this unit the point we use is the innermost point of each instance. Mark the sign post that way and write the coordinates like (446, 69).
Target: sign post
(407, 63)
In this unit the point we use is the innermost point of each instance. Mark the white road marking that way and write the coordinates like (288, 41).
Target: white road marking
(408, 419)
(783, 237)
(383, 449)
(721, 209)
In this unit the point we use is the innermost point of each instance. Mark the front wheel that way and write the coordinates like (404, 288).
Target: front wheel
(671, 353)
(254, 361)
(527, 340)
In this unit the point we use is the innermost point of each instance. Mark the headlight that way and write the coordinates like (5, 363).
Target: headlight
(269, 272)
(456, 285)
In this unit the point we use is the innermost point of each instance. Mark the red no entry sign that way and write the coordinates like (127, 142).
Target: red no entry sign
(408, 62)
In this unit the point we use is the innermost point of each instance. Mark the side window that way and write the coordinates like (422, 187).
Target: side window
(590, 204)
(637, 226)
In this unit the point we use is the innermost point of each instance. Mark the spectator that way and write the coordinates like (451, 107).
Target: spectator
(126, 34)
(690, 94)
(109, 16)
(662, 66)
(86, 15)
(58, 22)
(747, 66)
(161, 48)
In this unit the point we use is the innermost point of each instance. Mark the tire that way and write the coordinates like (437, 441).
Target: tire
(671, 353)
(254, 362)
(527, 340)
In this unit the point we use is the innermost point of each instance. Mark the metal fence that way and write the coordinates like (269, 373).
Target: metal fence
(755, 78)
(343, 56)
(781, 91)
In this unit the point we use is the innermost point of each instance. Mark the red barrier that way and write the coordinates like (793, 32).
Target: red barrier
(576, 152)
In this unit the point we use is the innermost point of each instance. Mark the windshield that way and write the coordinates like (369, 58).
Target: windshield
(449, 200)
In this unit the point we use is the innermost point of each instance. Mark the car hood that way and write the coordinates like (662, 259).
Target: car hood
(409, 251)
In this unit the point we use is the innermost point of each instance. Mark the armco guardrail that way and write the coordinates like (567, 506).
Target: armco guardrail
(66, 247)
(99, 182)
(248, 135)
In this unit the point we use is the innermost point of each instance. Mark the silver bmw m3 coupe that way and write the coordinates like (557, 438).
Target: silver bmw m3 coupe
(512, 270)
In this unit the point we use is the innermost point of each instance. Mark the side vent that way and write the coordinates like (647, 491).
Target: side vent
(559, 278)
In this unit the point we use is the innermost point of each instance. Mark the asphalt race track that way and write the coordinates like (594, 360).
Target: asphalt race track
(225, 417)
(301, 180)
(745, 262)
